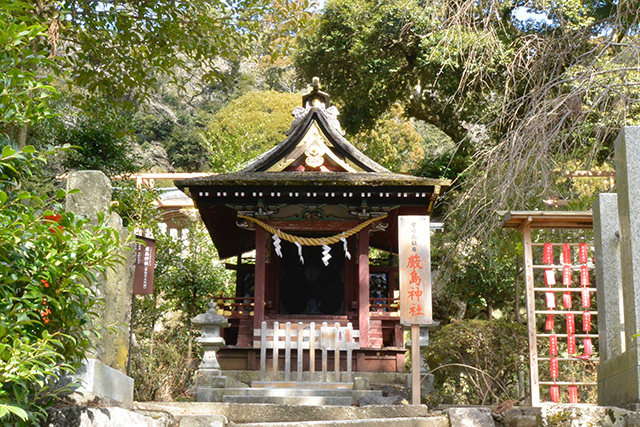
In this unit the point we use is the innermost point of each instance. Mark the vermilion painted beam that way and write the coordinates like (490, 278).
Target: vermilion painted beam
(260, 278)
(319, 225)
(363, 286)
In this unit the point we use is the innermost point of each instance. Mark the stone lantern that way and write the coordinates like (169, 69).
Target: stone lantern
(208, 378)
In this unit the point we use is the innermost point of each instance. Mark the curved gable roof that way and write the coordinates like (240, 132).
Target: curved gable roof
(327, 121)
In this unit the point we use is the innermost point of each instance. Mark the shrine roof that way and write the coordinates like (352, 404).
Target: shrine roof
(315, 152)
(547, 219)
(307, 178)
(315, 168)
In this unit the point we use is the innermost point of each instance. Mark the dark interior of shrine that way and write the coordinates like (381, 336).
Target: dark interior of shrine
(312, 287)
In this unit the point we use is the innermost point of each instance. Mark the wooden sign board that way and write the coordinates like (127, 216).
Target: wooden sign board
(414, 262)
(144, 265)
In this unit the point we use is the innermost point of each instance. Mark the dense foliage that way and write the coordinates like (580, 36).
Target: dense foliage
(188, 275)
(477, 362)
(24, 93)
(247, 127)
(520, 88)
(48, 261)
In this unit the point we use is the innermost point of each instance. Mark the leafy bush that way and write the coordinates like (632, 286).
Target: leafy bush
(247, 127)
(103, 143)
(188, 275)
(476, 362)
(48, 260)
(163, 368)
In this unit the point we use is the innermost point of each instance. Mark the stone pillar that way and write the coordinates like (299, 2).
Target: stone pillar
(103, 375)
(608, 276)
(619, 376)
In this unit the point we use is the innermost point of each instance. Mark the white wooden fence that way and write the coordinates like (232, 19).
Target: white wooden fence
(301, 337)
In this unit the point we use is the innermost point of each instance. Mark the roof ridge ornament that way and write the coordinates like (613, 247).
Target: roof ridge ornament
(316, 98)
(319, 101)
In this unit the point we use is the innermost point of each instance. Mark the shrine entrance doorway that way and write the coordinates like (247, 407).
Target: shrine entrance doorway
(311, 288)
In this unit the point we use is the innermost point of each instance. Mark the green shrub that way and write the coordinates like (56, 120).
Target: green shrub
(477, 362)
(163, 368)
(48, 260)
(247, 127)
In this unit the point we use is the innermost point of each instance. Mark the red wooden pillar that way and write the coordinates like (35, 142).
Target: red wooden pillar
(260, 278)
(363, 286)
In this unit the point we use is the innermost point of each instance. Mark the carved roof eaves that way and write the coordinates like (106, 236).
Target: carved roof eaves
(328, 121)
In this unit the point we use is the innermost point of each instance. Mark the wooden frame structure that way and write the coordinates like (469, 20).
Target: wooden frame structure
(525, 222)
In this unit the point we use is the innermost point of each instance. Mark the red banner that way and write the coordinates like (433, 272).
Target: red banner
(566, 275)
(554, 367)
(144, 266)
(584, 276)
(586, 298)
(571, 344)
(582, 253)
(571, 323)
(553, 345)
(554, 391)
(550, 323)
(586, 321)
(547, 254)
(588, 346)
(573, 394)
(566, 299)
(566, 254)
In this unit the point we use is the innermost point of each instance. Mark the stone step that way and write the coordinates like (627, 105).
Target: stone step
(399, 378)
(251, 413)
(298, 392)
(435, 421)
(320, 385)
(292, 400)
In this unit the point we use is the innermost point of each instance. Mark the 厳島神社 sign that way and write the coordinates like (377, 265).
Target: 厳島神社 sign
(414, 262)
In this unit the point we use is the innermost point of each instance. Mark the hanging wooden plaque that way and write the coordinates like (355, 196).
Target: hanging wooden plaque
(144, 264)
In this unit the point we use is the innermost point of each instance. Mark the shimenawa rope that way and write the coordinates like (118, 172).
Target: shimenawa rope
(313, 241)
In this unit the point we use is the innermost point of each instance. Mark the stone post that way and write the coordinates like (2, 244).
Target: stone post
(627, 160)
(103, 373)
(608, 276)
(619, 376)
(209, 382)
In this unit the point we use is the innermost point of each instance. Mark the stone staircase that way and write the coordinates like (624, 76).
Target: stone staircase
(308, 393)
(199, 414)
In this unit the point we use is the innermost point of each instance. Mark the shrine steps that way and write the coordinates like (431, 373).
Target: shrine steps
(300, 394)
(191, 414)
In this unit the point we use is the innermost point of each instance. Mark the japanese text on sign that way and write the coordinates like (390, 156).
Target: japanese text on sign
(144, 266)
(415, 270)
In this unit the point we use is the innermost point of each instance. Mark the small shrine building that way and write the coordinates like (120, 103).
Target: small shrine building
(311, 208)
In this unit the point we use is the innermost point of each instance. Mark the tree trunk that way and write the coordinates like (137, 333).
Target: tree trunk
(22, 137)
(489, 310)
(189, 350)
(516, 282)
(153, 327)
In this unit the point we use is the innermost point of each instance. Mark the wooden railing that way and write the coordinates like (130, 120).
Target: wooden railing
(301, 337)
(385, 306)
(235, 307)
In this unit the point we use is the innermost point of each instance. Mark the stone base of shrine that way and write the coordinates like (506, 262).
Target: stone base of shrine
(386, 359)
(619, 379)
